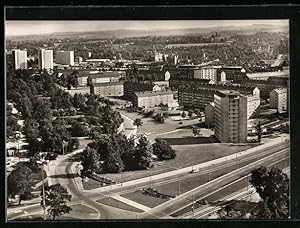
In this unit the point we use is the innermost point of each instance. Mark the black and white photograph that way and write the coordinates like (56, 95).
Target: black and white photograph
(147, 119)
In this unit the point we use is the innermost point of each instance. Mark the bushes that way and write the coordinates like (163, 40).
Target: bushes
(163, 150)
(80, 129)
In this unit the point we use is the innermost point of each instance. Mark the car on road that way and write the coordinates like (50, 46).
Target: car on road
(195, 170)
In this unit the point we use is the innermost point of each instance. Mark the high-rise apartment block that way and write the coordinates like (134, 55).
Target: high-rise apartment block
(45, 59)
(230, 117)
(19, 59)
(65, 57)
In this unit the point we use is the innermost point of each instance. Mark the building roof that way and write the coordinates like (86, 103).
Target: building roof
(107, 84)
(110, 74)
(214, 67)
(284, 73)
(228, 93)
(280, 90)
(153, 93)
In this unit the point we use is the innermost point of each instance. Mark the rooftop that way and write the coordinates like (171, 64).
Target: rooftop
(228, 93)
(107, 84)
(280, 90)
(153, 93)
(284, 73)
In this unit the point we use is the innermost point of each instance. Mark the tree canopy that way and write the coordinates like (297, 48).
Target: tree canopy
(163, 150)
(273, 187)
(56, 198)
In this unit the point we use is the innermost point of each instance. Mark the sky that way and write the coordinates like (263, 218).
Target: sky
(16, 28)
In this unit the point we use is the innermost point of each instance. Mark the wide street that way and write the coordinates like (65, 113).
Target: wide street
(63, 174)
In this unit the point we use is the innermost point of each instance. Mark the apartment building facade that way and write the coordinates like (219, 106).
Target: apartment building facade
(65, 57)
(19, 59)
(114, 89)
(149, 99)
(230, 117)
(45, 59)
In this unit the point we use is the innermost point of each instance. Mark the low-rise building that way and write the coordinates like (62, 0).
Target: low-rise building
(279, 99)
(230, 117)
(149, 99)
(114, 89)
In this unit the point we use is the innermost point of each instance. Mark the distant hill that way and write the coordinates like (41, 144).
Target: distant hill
(138, 33)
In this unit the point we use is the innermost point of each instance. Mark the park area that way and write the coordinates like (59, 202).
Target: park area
(190, 150)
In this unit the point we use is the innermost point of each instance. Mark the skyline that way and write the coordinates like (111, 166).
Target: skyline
(19, 28)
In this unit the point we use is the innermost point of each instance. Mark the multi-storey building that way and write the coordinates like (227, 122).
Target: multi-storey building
(131, 87)
(233, 73)
(211, 72)
(115, 89)
(149, 99)
(266, 86)
(100, 77)
(230, 117)
(176, 83)
(19, 59)
(64, 57)
(45, 60)
(268, 74)
(201, 95)
(279, 99)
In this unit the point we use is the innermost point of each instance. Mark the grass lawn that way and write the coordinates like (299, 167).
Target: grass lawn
(226, 191)
(186, 155)
(146, 200)
(91, 184)
(150, 126)
(83, 209)
(118, 204)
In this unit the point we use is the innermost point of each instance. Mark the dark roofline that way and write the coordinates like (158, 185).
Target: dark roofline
(107, 83)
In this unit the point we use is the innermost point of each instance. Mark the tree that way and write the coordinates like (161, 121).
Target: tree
(19, 182)
(258, 131)
(163, 150)
(138, 122)
(79, 101)
(273, 187)
(196, 131)
(12, 125)
(80, 129)
(90, 161)
(143, 153)
(166, 115)
(56, 198)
